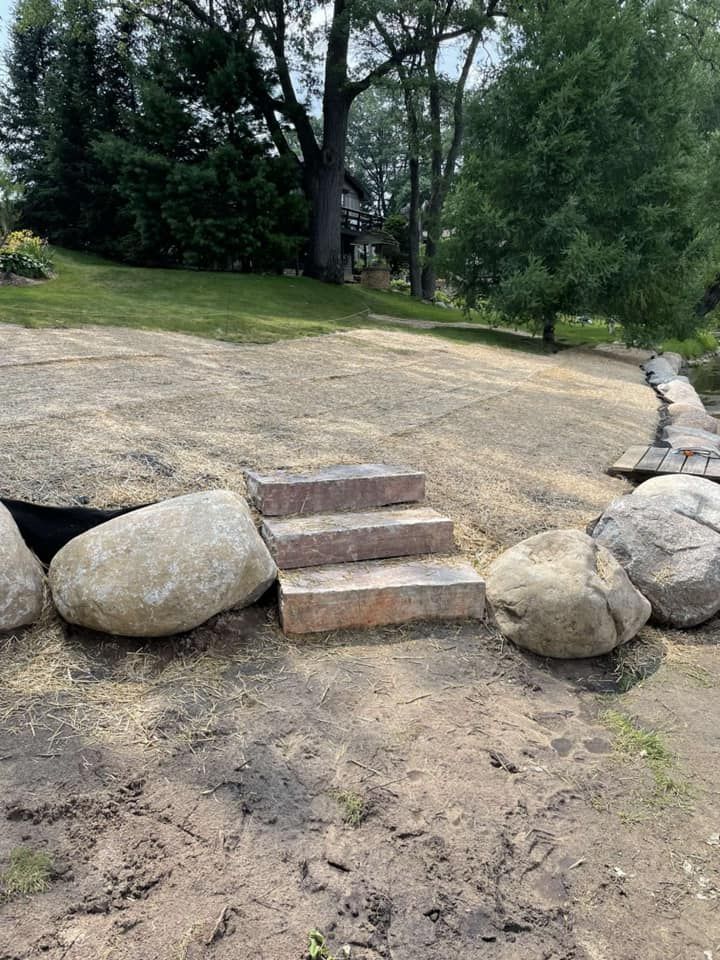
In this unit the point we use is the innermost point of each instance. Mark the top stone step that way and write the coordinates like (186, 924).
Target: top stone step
(282, 493)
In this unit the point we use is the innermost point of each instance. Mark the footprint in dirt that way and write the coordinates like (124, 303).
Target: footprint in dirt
(597, 745)
(364, 918)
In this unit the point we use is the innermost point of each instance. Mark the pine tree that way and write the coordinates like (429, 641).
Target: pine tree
(69, 198)
(23, 110)
(194, 181)
(576, 191)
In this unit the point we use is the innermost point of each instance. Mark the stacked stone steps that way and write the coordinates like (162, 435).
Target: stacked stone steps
(336, 535)
(376, 593)
(326, 538)
(283, 493)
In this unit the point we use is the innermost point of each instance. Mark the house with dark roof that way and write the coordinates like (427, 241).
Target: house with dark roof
(363, 237)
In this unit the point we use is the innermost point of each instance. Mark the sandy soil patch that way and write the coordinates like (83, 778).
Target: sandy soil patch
(193, 794)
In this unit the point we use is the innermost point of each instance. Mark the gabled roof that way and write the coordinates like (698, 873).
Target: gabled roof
(355, 184)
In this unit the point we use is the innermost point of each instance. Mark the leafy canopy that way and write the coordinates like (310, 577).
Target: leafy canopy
(576, 190)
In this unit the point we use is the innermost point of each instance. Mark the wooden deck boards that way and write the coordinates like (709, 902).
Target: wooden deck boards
(650, 461)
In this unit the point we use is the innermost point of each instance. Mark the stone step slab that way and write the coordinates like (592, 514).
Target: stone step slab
(375, 593)
(329, 538)
(282, 493)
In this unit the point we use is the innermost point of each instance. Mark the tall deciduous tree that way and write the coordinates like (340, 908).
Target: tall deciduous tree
(435, 113)
(576, 189)
(306, 50)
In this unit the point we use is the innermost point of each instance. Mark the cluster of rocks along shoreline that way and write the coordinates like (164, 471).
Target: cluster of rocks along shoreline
(653, 554)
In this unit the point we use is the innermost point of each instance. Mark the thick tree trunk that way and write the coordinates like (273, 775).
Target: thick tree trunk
(323, 260)
(442, 173)
(414, 229)
(429, 270)
(414, 225)
(549, 329)
(324, 257)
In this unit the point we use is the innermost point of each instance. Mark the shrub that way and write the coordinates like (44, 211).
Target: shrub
(693, 347)
(26, 254)
(400, 286)
(24, 243)
(24, 266)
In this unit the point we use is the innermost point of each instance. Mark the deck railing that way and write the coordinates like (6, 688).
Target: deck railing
(359, 222)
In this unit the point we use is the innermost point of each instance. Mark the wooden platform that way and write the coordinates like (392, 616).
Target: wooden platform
(645, 461)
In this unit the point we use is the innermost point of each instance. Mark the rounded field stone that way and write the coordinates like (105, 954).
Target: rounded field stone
(163, 569)
(672, 559)
(560, 594)
(21, 577)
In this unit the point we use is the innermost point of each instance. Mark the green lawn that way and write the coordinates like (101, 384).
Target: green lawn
(237, 307)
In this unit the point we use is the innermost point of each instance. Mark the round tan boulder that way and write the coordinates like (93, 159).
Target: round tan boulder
(21, 577)
(560, 594)
(163, 569)
(678, 391)
(688, 415)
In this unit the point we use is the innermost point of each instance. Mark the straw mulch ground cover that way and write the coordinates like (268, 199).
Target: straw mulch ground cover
(414, 793)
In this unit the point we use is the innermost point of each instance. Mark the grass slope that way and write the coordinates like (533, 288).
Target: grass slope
(238, 307)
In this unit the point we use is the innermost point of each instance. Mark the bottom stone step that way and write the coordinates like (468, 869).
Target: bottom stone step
(371, 594)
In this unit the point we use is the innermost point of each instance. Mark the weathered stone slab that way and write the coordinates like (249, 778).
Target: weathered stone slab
(374, 593)
(282, 493)
(341, 537)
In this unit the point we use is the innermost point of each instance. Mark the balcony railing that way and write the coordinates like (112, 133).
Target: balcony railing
(358, 222)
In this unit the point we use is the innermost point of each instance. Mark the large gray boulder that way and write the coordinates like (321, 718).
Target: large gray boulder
(689, 415)
(673, 560)
(560, 594)
(658, 370)
(690, 438)
(163, 569)
(674, 359)
(22, 580)
(678, 391)
(693, 497)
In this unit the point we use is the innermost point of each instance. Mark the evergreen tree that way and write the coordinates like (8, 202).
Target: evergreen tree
(23, 113)
(576, 190)
(69, 198)
(194, 182)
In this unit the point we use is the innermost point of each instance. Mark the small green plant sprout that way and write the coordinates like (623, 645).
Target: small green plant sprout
(317, 948)
(354, 807)
(29, 872)
(633, 742)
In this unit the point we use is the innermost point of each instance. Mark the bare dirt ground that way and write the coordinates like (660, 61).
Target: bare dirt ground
(192, 793)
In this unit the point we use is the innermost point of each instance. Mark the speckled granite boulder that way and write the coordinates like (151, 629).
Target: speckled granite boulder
(678, 391)
(163, 569)
(689, 415)
(691, 438)
(672, 559)
(658, 370)
(675, 360)
(693, 497)
(21, 577)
